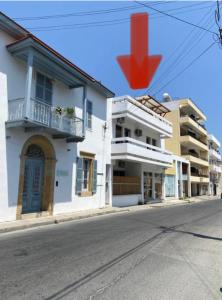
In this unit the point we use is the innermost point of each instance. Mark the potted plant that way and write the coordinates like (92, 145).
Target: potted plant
(70, 112)
(58, 110)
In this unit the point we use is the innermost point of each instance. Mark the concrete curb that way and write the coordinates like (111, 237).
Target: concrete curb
(34, 223)
(54, 220)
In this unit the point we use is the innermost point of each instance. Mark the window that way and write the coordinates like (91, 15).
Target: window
(89, 114)
(118, 173)
(127, 132)
(148, 140)
(43, 88)
(118, 131)
(153, 142)
(86, 175)
(170, 185)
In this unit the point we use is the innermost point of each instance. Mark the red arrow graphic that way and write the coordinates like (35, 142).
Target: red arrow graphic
(139, 67)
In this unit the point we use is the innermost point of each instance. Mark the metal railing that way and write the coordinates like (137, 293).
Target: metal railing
(199, 175)
(192, 118)
(194, 155)
(43, 114)
(193, 136)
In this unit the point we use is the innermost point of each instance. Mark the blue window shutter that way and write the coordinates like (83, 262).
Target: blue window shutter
(94, 176)
(79, 165)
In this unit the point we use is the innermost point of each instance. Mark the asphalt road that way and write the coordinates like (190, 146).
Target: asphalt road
(160, 253)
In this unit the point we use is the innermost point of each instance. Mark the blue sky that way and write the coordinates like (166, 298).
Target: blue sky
(94, 48)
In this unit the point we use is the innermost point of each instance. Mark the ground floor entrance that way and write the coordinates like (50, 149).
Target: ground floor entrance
(37, 172)
(199, 189)
(33, 180)
(152, 183)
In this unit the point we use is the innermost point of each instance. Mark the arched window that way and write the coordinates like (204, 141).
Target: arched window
(35, 151)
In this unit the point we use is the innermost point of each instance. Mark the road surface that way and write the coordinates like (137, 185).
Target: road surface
(159, 253)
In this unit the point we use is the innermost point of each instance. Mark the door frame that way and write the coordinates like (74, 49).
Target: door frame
(49, 173)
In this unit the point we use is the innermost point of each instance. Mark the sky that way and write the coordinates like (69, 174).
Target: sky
(95, 33)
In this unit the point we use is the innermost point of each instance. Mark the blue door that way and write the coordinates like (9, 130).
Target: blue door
(33, 184)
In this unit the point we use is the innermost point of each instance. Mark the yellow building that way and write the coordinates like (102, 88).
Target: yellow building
(189, 141)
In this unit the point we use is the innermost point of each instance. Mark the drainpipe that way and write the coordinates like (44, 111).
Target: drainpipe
(84, 99)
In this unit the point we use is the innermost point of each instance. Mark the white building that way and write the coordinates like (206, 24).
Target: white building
(177, 179)
(54, 138)
(138, 155)
(215, 166)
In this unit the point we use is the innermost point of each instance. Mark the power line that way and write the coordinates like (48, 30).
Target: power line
(86, 13)
(187, 67)
(184, 51)
(98, 23)
(174, 17)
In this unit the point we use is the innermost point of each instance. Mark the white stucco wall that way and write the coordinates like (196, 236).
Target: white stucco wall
(126, 200)
(97, 140)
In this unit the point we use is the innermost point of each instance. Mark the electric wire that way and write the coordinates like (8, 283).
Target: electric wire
(187, 67)
(190, 42)
(86, 13)
(174, 17)
(107, 22)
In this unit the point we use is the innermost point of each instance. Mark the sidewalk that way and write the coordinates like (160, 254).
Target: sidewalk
(37, 222)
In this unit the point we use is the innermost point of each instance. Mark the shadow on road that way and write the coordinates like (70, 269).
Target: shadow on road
(172, 229)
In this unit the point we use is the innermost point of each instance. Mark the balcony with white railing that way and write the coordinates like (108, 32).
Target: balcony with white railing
(129, 107)
(126, 148)
(213, 154)
(42, 115)
(215, 168)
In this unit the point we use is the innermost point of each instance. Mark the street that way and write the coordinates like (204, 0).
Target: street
(159, 253)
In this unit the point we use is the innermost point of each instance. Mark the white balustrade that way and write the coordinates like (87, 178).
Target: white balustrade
(127, 146)
(43, 114)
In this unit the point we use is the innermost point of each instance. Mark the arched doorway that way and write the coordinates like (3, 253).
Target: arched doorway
(37, 172)
(33, 180)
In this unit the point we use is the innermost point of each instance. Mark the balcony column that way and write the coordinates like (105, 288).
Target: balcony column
(142, 184)
(163, 187)
(176, 180)
(84, 104)
(28, 85)
(181, 179)
(153, 186)
(188, 181)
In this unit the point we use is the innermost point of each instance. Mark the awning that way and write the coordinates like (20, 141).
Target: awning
(153, 104)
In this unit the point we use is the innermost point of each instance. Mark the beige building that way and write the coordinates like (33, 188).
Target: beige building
(189, 141)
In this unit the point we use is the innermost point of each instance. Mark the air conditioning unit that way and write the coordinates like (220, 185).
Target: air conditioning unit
(138, 132)
(120, 120)
(121, 164)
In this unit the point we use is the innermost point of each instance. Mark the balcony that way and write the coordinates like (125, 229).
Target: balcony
(41, 115)
(195, 159)
(215, 169)
(126, 148)
(191, 140)
(194, 124)
(199, 175)
(199, 179)
(129, 107)
(214, 154)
